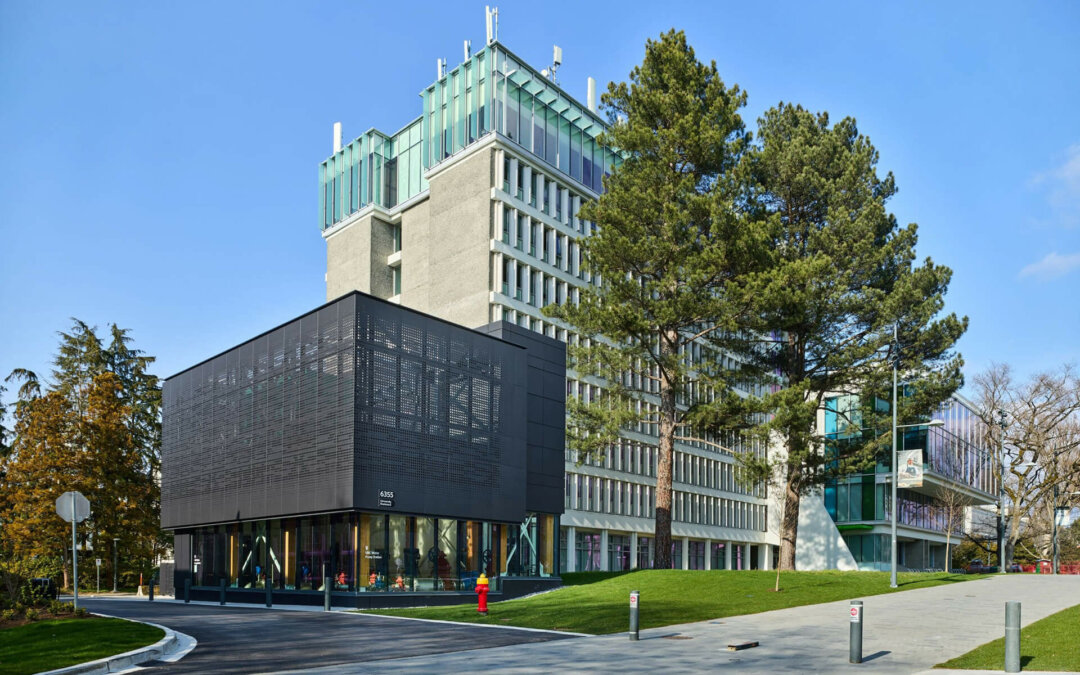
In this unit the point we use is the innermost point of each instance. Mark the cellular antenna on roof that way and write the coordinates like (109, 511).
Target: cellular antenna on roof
(492, 14)
(556, 61)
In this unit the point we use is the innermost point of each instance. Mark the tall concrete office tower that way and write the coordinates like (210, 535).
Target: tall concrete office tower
(470, 213)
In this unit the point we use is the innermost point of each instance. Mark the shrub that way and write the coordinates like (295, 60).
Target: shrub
(81, 612)
(32, 614)
(9, 615)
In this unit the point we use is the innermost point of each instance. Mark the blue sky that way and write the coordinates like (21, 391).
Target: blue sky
(158, 161)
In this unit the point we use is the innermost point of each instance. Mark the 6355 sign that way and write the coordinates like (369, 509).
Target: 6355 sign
(386, 497)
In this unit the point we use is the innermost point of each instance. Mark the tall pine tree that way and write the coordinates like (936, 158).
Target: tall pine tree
(841, 275)
(669, 245)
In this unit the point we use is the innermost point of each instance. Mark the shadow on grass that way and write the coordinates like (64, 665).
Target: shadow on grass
(582, 578)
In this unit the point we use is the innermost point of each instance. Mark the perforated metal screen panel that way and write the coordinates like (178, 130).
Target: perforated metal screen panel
(345, 405)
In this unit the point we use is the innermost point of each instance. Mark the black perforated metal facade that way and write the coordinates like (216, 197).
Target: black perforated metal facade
(357, 398)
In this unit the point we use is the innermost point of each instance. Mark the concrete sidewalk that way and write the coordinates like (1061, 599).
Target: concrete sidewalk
(904, 633)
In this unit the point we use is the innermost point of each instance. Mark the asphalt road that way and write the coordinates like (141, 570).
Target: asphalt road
(235, 639)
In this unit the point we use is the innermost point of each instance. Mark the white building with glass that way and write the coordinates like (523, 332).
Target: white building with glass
(469, 213)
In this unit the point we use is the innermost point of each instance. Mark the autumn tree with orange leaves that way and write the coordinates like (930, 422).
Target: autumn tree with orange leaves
(93, 427)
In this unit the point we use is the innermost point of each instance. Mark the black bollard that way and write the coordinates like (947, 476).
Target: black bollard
(855, 643)
(269, 594)
(187, 590)
(326, 589)
(222, 602)
(634, 596)
(151, 594)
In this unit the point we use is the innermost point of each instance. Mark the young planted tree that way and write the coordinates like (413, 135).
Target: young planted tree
(842, 275)
(669, 248)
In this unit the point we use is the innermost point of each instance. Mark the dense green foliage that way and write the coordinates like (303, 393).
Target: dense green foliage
(676, 596)
(1049, 644)
(47, 645)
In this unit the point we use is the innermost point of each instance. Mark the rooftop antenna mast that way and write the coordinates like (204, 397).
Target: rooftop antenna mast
(492, 14)
(556, 61)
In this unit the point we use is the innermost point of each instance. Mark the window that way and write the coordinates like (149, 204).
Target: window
(397, 280)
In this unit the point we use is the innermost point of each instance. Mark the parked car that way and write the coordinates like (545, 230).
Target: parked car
(45, 587)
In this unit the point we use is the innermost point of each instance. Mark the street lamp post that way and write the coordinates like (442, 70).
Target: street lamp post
(115, 562)
(896, 479)
(1054, 513)
(1001, 493)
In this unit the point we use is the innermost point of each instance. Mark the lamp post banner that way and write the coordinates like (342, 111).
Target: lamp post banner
(910, 472)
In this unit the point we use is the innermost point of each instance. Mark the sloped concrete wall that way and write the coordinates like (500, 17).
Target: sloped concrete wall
(820, 546)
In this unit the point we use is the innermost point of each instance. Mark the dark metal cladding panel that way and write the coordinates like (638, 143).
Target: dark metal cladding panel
(266, 428)
(546, 414)
(440, 418)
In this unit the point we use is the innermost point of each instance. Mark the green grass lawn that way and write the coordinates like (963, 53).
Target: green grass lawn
(46, 645)
(1049, 644)
(599, 602)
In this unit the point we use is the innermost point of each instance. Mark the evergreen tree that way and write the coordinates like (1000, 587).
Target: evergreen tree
(669, 247)
(96, 429)
(841, 276)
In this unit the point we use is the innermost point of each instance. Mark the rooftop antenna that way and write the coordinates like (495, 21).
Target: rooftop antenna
(440, 68)
(556, 61)
(468, 49)
(492, 14)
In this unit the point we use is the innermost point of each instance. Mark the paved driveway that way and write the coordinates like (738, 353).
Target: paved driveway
(235, 639)
(904, 633)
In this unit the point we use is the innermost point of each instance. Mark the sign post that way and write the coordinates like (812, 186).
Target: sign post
(855, 633)
(98, 561)
(74, 508)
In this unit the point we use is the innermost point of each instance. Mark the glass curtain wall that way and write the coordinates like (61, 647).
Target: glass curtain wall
(372, 552)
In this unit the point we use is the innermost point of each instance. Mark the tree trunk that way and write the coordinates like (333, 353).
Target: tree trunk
(789, 521)
(65, 557)
(947, 537)
(662, 559)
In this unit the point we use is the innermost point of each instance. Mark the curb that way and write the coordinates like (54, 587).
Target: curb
(114, 664)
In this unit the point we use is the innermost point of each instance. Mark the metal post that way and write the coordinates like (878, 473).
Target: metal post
(855, 632)
(326, 590)
(115, 562)
(150, 595)
(1001, 496)
(634, 596)
(896, 359)
(99, 575)
(222, 600)
(74, 554)
(1012, 637)
(1054, 517)
(187, 590)
(269, 593)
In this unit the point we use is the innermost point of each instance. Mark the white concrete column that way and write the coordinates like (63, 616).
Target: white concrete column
(571, 549)
(527, 176)
(605, 563)
(566, 206)
(498, 272)
(513, 176)
(633, 550)
(552, 194)
(575, 203)
(727, 556)
(708, 554)
(527, 286)
(686, 553)
(764, 559)
(513, 287)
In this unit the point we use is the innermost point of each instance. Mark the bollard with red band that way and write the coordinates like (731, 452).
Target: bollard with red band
(481, 592)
